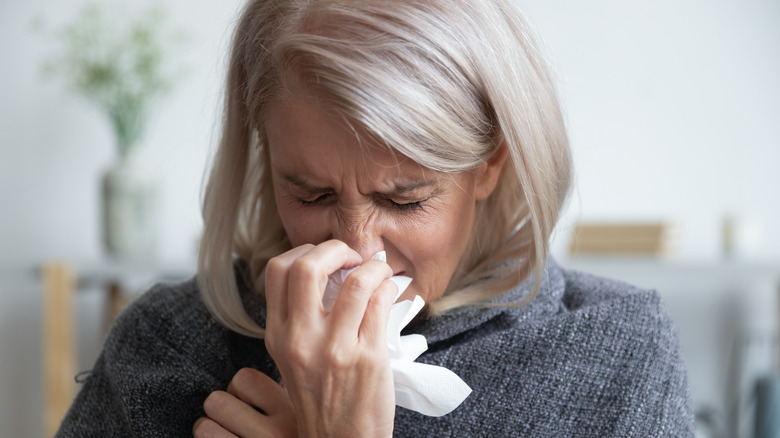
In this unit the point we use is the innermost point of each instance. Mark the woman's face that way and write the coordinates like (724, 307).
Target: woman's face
(329, 186)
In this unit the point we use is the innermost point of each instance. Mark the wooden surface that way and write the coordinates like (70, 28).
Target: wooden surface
(59, 343)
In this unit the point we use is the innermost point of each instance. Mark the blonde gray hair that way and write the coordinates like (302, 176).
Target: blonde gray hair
(443, 82)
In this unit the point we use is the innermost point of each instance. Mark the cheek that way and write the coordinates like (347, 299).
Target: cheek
(430, 239)
(435, 245)
(303, 227)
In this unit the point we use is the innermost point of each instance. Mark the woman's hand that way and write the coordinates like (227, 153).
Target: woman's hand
(253, 406)
(335, 365)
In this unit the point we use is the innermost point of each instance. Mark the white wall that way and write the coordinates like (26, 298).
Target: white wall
(54, 147)
(673, 109)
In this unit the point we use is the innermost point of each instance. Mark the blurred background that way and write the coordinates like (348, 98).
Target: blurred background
(673, 110)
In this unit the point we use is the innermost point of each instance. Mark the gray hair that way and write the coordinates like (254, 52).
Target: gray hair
(443, 82)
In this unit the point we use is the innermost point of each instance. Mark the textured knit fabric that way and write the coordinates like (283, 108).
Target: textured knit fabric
(588, 357)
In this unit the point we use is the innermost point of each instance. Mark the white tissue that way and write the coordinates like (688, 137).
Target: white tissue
(428, 389)
(337, 278)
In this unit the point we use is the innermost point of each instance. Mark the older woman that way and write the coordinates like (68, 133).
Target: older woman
(426, 129)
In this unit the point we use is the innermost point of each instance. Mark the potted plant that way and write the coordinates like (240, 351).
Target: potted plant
(119, 63)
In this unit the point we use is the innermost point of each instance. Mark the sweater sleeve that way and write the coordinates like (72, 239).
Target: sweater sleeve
(162, 358)
(647, 380)
(639, 368)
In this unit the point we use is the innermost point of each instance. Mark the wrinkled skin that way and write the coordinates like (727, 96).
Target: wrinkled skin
(341, 202)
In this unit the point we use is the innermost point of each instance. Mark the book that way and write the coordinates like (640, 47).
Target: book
(626, 238)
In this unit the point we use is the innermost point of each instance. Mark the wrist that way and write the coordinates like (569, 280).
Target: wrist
(321, 429)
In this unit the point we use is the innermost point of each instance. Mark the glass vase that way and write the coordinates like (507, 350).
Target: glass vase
(130, 211)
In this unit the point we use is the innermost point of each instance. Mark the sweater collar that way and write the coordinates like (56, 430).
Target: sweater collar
(547, 302)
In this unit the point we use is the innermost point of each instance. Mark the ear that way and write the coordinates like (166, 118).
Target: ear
(488, 173)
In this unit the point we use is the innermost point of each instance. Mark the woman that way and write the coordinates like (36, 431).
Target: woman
(429, 130)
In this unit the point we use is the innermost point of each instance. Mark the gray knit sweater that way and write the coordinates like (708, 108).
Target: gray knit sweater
(587, 358)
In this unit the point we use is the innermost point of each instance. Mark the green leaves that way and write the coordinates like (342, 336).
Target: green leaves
(118, 61)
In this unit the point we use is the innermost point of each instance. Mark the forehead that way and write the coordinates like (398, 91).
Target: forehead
(295, 124)
(306, 139)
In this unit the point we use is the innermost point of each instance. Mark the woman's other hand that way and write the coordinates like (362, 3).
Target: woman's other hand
(253, 406)
(335, 365)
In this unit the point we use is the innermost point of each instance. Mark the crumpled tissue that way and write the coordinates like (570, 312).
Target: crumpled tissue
(428, 389)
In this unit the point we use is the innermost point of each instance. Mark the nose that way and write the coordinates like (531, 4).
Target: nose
(363, 234)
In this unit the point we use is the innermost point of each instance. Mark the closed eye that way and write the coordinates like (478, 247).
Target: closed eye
(328, 198)
(318, 201)
(404, 206)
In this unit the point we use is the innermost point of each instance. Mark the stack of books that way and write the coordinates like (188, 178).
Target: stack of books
(654, 239)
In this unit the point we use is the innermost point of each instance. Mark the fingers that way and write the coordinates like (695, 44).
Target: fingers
(359, 288)
(276, 281)
(233, 414)
(260, 391)
(295, 283)
(254, 405)
(208, 428)
(374, 325)
(309, 275)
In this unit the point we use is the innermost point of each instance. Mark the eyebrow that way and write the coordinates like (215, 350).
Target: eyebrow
(399, 189)
(304, 185)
